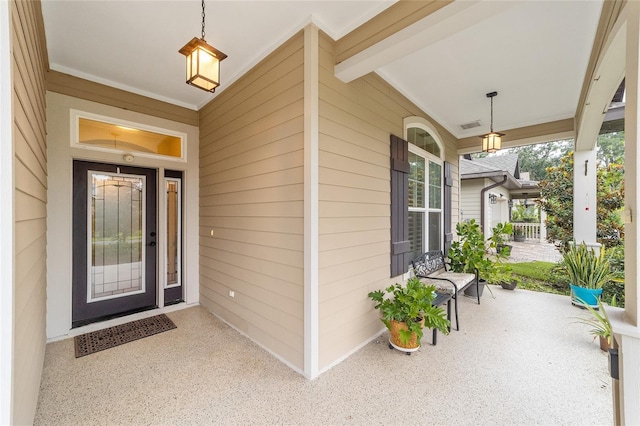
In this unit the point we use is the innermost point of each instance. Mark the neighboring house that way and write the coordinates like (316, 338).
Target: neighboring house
(295, 189)
(489, 186)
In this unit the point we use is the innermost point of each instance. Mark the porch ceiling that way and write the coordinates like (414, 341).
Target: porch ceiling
(535, 54)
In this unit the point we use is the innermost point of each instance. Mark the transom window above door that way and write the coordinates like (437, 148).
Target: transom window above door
(107, 134)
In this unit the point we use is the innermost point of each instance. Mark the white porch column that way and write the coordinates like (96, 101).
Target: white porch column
(584, 198)
(543, 225)
(625, 326)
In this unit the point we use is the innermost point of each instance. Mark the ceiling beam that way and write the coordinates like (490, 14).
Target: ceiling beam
(394, 19)
(605, 72)
(529, 135)
(367, 48)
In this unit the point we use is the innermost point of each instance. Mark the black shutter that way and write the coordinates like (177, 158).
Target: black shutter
(448, 184)
(399, 206)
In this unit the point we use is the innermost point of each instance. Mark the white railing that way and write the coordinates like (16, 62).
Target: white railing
(531, 231)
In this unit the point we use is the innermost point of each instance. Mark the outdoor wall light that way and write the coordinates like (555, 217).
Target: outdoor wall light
(493, 199)
(492, 141)
(203, 62)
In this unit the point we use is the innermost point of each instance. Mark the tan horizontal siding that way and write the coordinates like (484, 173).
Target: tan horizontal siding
(276, 179)
(355, 124)
(252, 197)
(263, 238)
(290, 192)
(30, 198)
(84, 89)
(248, 281)
(288, 226)
(470, 198)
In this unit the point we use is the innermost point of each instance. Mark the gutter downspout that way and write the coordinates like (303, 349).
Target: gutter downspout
(504, 179)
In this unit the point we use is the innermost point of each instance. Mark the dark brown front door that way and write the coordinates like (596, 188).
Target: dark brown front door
(114, 241)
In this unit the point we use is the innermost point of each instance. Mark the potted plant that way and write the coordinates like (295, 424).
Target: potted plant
(518, 235)
(599, 321)
(468, 255)
(587, 272)
(503, 277)
(406, 310)
(499, 240)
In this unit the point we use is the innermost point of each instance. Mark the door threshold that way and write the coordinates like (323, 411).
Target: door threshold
(121, 320)
(83, 323)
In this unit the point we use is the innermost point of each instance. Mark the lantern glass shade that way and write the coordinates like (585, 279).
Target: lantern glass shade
(492, 142)
(203, 64)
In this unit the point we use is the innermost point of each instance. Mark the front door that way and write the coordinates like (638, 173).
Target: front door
(114, 241)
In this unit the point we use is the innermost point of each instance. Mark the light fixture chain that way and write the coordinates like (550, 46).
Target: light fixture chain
(491, 106)
(202, 19)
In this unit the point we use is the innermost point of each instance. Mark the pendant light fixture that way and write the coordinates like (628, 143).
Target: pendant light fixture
(492, 141)
(203, 62)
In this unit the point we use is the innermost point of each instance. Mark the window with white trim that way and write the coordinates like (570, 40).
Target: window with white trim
(425, 190)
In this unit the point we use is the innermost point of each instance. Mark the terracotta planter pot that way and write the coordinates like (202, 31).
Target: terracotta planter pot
(604, 344)
(394, 330)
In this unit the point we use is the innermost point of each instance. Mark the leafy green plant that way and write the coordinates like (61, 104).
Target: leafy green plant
(615, 288)
(585, 268)
(599, 320)
(468, 253)
(499, 234)
(410, 304)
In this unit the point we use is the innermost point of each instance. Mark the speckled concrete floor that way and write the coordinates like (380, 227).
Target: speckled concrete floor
(519, 359)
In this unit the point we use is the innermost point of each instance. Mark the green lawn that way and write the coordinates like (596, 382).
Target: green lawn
(540, 276)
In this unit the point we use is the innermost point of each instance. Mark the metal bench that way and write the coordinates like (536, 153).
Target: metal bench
(431, 268)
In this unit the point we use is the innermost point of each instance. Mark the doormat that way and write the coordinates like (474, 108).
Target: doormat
(100, 340)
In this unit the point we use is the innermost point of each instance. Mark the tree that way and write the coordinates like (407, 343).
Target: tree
(535, 159)
(611, 148)
(556, 193)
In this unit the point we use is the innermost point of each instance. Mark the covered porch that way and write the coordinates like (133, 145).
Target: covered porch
(518, 359)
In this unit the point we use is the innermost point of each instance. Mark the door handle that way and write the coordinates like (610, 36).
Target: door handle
(152, 244)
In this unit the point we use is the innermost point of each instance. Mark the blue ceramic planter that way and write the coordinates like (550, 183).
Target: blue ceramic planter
(585, 296)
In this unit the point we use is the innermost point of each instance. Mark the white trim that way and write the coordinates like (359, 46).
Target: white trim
(76, 115)
(421, 123)
(311, 298)
(6, 217)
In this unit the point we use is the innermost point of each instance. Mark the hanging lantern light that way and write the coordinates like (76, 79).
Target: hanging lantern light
(203, 62)
(492, 141)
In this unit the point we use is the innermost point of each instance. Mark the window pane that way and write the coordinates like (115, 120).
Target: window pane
(116, 217)
(435, 185)
(434, 231)
(416, 233)
(174, 237)
(421, 138)
(416, 180)
(120, 138)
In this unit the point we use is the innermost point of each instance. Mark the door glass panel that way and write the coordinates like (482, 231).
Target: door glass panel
(174, 237)
(416, 180)
(116, 226)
